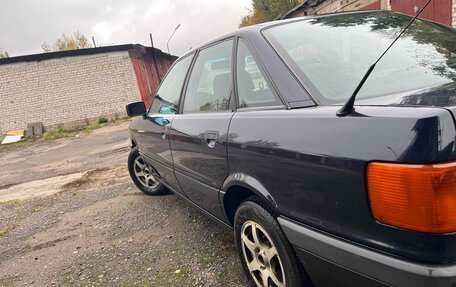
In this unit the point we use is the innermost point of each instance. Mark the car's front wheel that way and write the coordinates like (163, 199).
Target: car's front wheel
(266, 255)
(142, 175)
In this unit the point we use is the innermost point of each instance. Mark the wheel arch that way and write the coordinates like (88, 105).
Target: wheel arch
(133, 143)
(237, 188)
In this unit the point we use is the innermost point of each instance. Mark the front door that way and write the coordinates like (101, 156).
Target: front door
(154, 130)
(199, 134)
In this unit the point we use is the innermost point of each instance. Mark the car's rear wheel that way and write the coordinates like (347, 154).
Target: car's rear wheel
(266, 255)
(142, 175)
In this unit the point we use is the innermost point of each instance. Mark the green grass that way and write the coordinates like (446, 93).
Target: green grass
(70, 132)
(7, 281)
(90, 128)
(58, 134)
(205, 261)
(102, 120)
(5, 230)
(22, 142)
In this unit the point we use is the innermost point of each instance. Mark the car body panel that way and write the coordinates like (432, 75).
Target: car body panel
(370, 269)
(151, 136)
(307, 160)
(240, 179)
(201, 169)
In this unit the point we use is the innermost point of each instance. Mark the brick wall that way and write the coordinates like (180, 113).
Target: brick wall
(66, 90)
(332, 6)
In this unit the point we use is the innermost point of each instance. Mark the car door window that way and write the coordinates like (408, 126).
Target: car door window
(166, 100)
(209, 86)
(252, 87)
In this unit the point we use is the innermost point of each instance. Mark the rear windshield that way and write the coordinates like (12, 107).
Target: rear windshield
(332, 54)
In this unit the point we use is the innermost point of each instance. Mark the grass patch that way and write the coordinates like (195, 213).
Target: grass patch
(17, 201)
(172, 277)
(223, 276)
(5, 230)
(205, 261)
(22, 142)
(90, 128)
(59, 133)
(70, 132)
(7, 281)
(102, 120)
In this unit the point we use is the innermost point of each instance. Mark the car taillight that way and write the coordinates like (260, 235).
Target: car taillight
(415, 197)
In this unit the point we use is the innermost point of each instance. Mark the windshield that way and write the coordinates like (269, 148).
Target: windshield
(332, 54)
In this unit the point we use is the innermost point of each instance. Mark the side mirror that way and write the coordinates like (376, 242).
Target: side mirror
(136, 109)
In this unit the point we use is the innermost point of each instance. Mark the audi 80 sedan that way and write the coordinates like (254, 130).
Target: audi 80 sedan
(248, 129)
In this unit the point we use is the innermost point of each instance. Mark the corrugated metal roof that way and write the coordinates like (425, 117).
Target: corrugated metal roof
(80, 52)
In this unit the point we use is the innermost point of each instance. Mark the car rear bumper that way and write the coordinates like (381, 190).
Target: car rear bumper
(334, 262)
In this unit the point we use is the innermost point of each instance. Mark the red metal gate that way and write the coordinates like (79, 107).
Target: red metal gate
(374, 6)
(143, 81)
(438, 10)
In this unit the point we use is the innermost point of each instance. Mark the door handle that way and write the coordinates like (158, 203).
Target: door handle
(211, 137)
(165, 131)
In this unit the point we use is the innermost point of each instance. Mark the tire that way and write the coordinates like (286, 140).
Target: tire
(257, 255)
(142, 176)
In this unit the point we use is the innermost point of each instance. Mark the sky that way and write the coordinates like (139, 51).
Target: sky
(26, 24)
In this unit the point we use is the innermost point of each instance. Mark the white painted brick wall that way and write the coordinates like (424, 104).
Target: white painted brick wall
(453, 7)
(65, 90)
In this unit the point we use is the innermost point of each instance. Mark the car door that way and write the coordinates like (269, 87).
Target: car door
(154, 130)
(198, 135)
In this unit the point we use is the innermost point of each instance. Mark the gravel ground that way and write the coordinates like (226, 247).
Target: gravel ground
(100, 230)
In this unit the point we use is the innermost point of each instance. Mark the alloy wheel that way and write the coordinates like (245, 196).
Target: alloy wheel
(144, 174)
(261, 256)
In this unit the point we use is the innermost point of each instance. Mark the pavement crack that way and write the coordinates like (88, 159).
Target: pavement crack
(52, 243)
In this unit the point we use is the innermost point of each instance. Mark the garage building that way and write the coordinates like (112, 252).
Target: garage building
(77, 86)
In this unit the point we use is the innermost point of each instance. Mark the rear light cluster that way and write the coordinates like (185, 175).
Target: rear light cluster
(415, 197)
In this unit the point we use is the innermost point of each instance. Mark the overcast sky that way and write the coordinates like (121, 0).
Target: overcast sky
(26, 24)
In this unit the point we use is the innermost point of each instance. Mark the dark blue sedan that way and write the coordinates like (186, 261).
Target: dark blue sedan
(247, 129)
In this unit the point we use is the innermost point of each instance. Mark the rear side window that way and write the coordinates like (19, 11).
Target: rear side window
(166, 100)
(209, 86)
(332, 54)
(252, 88)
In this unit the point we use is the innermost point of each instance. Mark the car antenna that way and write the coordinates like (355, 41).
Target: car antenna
(348, 107)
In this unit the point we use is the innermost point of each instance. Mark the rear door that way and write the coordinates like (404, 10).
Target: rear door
(198, 136)
(154, 131)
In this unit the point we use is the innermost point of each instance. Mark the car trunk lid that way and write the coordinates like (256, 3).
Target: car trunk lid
(439, 96)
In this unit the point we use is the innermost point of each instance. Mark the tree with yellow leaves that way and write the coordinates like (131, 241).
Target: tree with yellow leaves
(3, 54)
(77, 41)
(267, 10)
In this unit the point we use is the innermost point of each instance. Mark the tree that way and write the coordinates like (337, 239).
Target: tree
(267, 10)
(77, 41)
(3, 54)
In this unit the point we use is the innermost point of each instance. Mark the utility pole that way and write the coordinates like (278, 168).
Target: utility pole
(93, 41)
(153, 57)
(167, 43)
(151, 40)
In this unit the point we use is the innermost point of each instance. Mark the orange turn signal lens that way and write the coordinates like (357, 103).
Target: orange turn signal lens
(415, 197)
